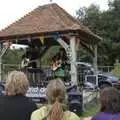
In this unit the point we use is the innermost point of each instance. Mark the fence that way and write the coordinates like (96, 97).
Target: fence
(6, 68)
(105, 69)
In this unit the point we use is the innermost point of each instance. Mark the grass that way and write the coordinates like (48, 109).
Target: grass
(91, 111)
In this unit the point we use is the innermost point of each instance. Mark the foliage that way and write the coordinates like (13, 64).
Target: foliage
(11, 61)
(47, 57)
(89, 17)
(84, 56)
(92, 111)
(12, 56)
(116, 70)
(105, 24)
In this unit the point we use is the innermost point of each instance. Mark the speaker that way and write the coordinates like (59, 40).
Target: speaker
(75, 102)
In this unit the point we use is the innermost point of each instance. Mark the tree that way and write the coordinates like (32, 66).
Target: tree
(11, 61)
(90, 17)
(105, 24)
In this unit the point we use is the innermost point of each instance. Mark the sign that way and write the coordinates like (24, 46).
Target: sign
(36, 92)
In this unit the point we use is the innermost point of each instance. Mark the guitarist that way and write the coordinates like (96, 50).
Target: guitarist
(59, 63)
(30, 58)
(63, 57)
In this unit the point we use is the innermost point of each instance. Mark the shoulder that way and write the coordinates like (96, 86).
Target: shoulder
(39, 113)
(26, 99)
(31, 103)
(99, 116)
(6, 98)
(27, 103)
(71, 116)
(3, 100)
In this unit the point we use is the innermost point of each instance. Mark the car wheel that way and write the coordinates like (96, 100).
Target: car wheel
(105, 85)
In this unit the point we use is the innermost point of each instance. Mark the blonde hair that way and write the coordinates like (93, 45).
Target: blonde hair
(16, 83)
(56, 93)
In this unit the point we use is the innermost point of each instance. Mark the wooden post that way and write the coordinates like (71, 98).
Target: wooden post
(95, 59)
(73, 60)
(62, 43)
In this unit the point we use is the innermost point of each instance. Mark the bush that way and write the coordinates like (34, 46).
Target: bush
(116, 70)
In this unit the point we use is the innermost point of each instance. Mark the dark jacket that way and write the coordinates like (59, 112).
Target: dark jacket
(16, 108)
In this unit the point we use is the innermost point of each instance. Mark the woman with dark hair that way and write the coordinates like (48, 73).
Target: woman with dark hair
(60, 65)
(110, 105)
(56, 94)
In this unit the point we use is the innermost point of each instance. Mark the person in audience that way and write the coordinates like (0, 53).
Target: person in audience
(55, 110)
(110, 105)
(14, 105)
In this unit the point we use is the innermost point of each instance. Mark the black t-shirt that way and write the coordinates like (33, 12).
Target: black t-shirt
(16, 108)
(31, 53)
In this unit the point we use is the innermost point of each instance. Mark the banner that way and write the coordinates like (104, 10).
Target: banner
(42, 40)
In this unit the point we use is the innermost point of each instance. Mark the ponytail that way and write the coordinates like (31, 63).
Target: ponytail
(56, 95)
(56, 112)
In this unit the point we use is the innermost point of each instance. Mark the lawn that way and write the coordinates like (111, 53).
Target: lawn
(91, 111)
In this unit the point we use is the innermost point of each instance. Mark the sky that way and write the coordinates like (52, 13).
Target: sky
(12, 10)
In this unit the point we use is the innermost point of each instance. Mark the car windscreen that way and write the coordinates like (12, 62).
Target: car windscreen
(113, 78)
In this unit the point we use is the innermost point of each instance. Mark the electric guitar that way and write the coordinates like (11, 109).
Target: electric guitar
(26, 61)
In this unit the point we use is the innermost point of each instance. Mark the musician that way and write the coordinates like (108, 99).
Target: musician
(30, 58)
(63, 57)
(59, 62)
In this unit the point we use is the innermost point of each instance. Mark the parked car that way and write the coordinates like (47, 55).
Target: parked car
(107, 80)
(104, 80)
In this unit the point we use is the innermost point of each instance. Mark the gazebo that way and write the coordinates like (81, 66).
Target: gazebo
(51, 24)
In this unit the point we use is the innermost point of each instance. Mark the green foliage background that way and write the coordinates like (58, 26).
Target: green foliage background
(106, 24)
(116, 70)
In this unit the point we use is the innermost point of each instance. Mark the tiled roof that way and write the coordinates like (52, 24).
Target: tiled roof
(44, 19)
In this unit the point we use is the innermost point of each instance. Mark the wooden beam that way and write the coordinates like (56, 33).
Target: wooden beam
(73, 60)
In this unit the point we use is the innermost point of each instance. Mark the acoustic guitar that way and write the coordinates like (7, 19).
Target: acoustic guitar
(55, 65)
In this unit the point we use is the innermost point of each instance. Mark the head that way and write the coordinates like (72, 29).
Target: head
(55, 58)
(110, 100)
(56, 93)
(16, 84)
